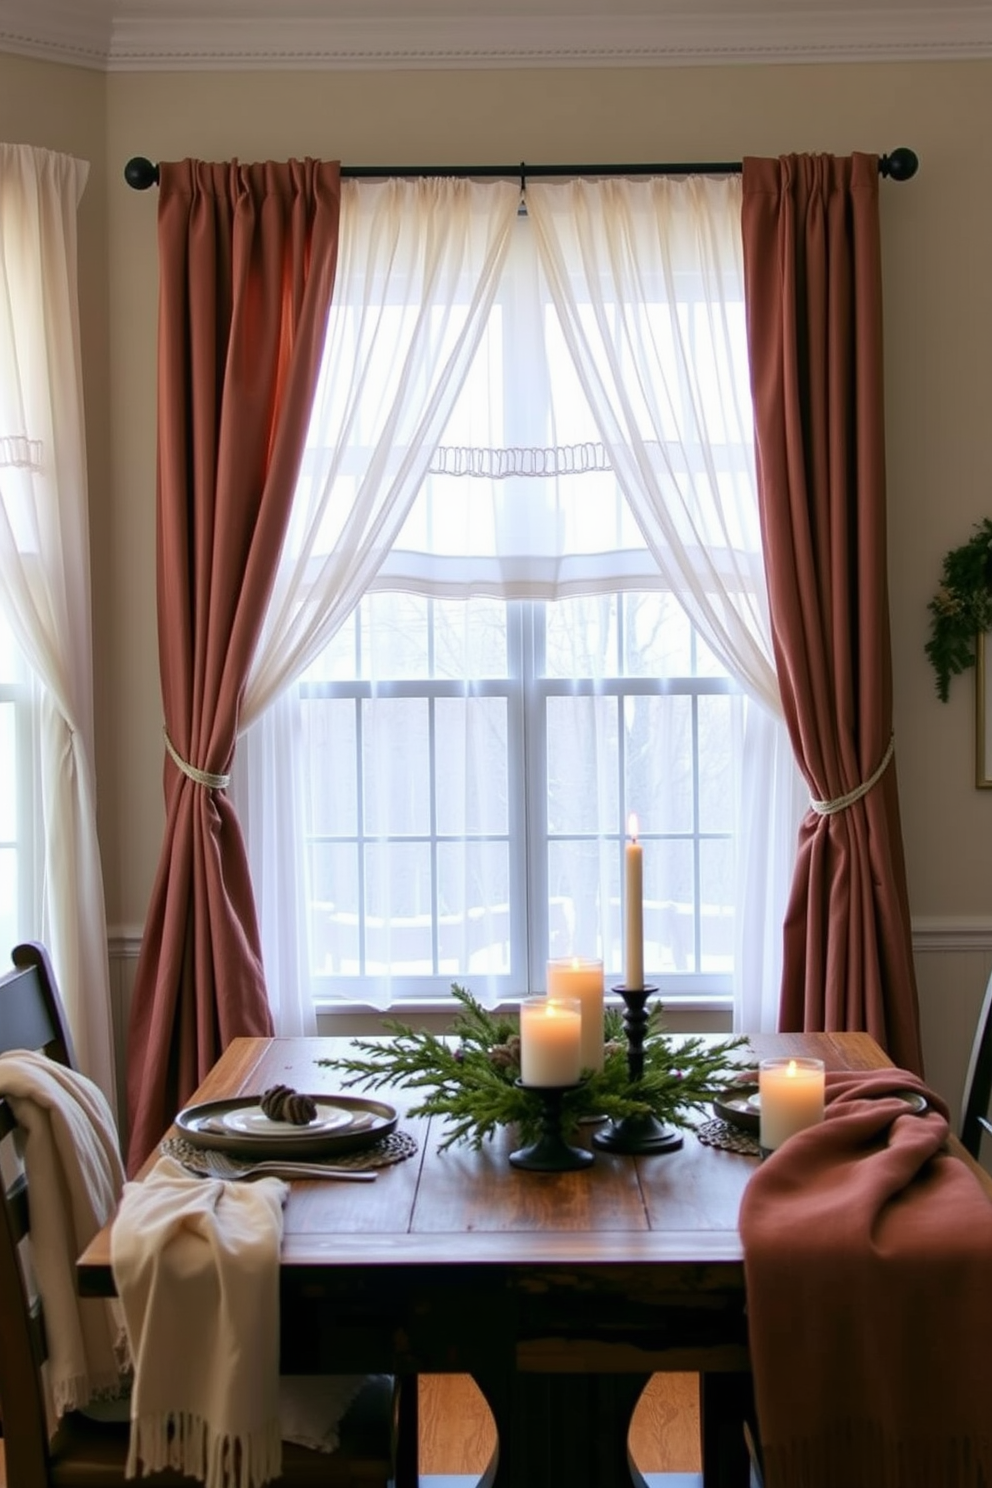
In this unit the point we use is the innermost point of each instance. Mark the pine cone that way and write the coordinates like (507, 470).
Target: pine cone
(506, 1056)
(283, 1103)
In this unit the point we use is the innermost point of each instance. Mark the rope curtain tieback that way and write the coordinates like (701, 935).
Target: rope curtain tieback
(199, 777)
(830, 808)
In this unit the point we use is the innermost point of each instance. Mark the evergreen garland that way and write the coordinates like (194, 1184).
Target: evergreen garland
(961, 610)
(472, 1082)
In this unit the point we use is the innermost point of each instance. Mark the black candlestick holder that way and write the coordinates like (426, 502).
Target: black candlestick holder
(550, 1153)
(633, 1134)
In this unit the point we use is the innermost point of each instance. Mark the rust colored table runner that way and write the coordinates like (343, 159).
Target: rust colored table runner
(868, 1265)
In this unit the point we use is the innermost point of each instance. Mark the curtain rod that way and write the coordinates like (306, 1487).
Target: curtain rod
(901, 165)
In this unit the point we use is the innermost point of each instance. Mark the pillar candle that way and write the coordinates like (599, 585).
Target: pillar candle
(583, 981)
(634, 893)
(791, 1096)
(550, 1041)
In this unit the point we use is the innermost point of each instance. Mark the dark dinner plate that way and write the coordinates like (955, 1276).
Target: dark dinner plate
(733, 1105)
(344, 1123)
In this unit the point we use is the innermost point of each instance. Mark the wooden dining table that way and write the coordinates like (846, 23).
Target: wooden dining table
(560, 1293)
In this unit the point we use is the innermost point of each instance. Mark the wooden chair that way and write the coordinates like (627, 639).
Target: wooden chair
(84, 1453)
(978, 1082)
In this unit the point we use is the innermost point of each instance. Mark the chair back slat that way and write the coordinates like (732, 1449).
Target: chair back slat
(30, 1018)
(978, 1081)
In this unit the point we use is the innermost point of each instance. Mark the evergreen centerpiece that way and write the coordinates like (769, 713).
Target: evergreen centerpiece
(469, 1075)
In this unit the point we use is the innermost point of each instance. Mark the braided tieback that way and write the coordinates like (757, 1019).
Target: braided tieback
(282, 1103)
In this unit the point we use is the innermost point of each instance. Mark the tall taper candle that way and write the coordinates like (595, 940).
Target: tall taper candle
(634, 888)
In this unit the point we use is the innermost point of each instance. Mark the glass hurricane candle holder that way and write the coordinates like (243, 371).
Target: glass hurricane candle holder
(791, 1094)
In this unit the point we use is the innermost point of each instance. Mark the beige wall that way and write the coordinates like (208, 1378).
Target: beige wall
(937, 234)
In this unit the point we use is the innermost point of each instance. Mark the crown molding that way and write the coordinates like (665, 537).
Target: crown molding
(84, 32)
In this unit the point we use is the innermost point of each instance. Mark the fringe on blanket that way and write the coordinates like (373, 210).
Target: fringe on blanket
(860, 1455)
(187, 1443)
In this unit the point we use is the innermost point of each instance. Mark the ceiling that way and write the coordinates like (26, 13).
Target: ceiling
(137, 35)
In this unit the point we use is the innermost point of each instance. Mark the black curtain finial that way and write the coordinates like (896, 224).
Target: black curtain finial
(141, 173)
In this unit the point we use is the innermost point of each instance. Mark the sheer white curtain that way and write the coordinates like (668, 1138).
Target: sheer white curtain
(44, 567)
(418, 266)
(647, 278)
(560, 411)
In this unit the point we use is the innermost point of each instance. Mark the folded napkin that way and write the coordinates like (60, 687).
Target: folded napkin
(70, 1151)
(868, 1266)
(196, 1264)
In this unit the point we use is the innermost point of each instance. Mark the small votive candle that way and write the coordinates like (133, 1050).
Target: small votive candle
(582, 981)
(791, 1098)
(550, 1041)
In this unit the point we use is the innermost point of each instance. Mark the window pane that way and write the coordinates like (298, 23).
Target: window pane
(470, 638)
(583, 775)
(657, 637)
(581, 637)
(658, 745)
(399, 920)
(8, 774)
(396, 764)
(669, 906)
(719, 746)
(334, 909)
(474, 908)
(717, 919)
(394, 636)
(471, 772)
(584, 894)
(329, 741)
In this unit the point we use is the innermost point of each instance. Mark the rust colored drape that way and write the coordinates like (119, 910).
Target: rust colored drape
(247, 257)
(814, 322)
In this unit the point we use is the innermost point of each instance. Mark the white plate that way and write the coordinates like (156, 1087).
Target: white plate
(251, 1121)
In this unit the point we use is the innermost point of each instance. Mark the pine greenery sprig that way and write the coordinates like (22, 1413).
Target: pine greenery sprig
(469, 1075)
(961, 610)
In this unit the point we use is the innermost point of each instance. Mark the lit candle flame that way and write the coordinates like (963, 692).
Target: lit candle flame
(632, 827)
(791, 1071)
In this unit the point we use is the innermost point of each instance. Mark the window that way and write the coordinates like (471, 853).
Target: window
(471, 766)
(521, 596)
(18, 756)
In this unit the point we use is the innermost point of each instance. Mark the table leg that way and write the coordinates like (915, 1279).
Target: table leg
(562, 1428)
(407, 1464)
(726, 1401)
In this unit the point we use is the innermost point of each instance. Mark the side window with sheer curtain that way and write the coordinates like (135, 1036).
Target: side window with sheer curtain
(522, 597)
(17, 793)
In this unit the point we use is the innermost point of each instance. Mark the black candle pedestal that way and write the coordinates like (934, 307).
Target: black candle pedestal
(550, 1153)
(634, 1134)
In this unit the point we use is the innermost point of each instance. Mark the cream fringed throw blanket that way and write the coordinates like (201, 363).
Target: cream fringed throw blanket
(868, 1264)
(196, 1264)
(75, 1177)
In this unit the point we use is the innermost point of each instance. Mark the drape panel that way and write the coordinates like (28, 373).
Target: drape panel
(45, 570)
(247, 263)
(814, 308)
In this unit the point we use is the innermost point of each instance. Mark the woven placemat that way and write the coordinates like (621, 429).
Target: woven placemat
(717, 1133)
(393, 1148)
